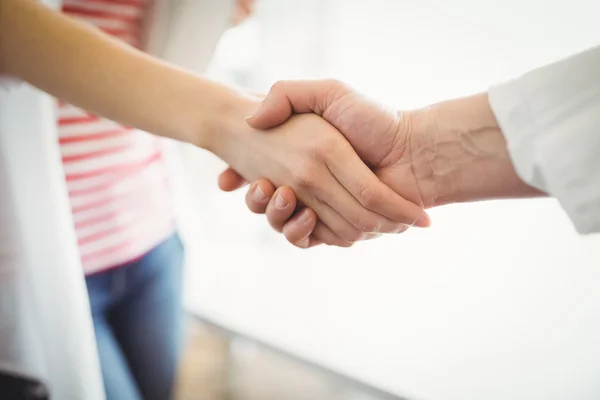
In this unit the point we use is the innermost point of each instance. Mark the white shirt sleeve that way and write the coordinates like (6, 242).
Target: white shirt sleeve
(551, 120)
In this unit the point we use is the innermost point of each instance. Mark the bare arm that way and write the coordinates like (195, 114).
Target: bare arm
(459, 154)
(85, 67)
(90, 70)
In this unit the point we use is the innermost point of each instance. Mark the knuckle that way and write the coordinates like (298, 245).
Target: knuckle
(367, 224)
(369, 197)
(315, 151)
(339, 88)
(305, 178)
(279, 85)
(324, 148)
(335, 83)
(329, 145)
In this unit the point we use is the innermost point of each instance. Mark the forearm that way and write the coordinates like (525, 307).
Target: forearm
(459, 154)
(89, 69)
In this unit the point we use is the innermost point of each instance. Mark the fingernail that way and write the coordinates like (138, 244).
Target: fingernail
(304, 243)
(280, 202)
(304, 218)
(258, 194)
(423, 222)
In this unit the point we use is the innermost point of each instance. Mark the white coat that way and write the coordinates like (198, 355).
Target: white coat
(45, 324)
(551, 120)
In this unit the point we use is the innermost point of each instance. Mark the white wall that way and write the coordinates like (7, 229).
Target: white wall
(497, 300)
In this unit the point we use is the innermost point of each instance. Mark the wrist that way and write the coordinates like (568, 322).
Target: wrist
(218, 118)
(459, 154)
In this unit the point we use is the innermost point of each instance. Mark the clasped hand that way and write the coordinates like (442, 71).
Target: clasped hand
(333, 169)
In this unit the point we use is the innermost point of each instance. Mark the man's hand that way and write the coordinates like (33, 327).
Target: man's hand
(381, 137)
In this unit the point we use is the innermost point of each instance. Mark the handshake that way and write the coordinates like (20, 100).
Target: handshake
(331, 166)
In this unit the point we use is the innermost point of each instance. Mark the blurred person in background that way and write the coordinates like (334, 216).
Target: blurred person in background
(122, 207)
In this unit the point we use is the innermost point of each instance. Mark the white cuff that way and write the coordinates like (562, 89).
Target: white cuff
(551, 120)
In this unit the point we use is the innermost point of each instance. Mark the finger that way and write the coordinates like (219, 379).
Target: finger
(229, 180)
(337, 208)
(288, 97)
(370, 192)
(307, 243)
(329, 190)
(372, 236)
(281, 208)
(299, 228)
(258, 196)
(347, 206)
(325, 235)
(314, 242)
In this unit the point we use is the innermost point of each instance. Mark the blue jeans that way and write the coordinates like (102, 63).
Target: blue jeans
(138, 321)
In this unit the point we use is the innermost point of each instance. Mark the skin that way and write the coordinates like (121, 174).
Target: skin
(242, 11)
(449, 152)
(91, 70)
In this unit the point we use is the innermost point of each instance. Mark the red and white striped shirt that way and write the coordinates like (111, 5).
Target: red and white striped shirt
(116, 176)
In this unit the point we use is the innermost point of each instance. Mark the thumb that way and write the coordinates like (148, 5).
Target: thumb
(230, 180)
(288, 97)
(274, 110)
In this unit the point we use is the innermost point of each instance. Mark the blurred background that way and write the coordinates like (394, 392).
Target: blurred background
(494, 289)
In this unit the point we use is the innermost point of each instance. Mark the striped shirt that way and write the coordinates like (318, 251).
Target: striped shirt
(116, 175)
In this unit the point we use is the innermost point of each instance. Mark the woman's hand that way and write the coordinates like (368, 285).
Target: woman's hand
(282, 211)
(313, 159)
